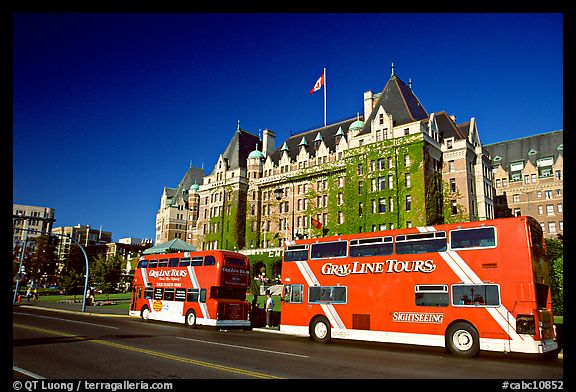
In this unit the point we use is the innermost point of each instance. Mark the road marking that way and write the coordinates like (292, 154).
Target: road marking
(214, 366)
(71, 321)
(244, 347)
(27, 373)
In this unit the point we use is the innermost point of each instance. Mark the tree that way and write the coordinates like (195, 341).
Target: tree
(72, 277)
(106, 274)
(555, 258)
(44, 260)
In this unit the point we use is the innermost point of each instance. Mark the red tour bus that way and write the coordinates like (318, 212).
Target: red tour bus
(467, 286)
(194, 288)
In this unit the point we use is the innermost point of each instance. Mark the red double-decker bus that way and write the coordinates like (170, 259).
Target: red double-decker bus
(467, 287)
(194, 288)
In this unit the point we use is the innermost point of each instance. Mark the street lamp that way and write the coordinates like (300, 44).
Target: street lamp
(19, 274)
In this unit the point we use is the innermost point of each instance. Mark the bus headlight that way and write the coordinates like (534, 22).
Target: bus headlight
(525, 324)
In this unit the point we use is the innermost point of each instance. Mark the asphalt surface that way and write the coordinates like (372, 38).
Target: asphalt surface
(111, 311)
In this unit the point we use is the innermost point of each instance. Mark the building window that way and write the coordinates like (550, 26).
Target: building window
(504, 182)
(561, 225)
(533, 178)
(407, 180)
(408, 203)
(550, 209)
(359, 209)
(558, 174)
(381, 183)
(391, 205)
(551, 227)
(360, 168)
(516, 198)
(409, 224)
(406, 160)
(390, 182)
(451, 167)
(449, 144)
(406, 131)
(539, 194)
(559, 208)
(548, 194)
(526, 179)
(452, 185)
(540, 210)
(382, 205)
(359, 187)
(390, 163)
(498, 183)
(454, 207)
(517, 212)
(381, 164)
(558, 192)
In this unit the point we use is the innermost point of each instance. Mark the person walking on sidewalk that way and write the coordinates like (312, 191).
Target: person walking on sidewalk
(269, 308)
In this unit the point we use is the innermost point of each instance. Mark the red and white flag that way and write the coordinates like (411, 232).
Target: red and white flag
(318, 85)
(316, 223)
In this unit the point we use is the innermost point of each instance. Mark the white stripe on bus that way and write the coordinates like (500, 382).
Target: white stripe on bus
(196, 285)
(328, 309)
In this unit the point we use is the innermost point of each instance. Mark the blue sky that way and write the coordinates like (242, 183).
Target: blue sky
(111, 108)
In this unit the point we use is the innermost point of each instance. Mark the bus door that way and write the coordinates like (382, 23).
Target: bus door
(136, 296)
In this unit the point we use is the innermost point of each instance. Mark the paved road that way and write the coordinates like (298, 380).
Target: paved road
(69, 345)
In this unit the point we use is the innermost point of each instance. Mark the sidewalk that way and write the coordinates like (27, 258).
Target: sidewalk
(103, 310)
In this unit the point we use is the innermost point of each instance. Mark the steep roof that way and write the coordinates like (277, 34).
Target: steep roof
(327, 134)
(192, 176)
(448, 128)
(530, 148)
(241, 145)
(398, 100)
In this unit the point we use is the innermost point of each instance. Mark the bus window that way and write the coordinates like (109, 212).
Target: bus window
(209, 260)
(196, 261)
(143, 264)
(296, 253)
(180, 295)
(482, 237)
(153, 264)
(323, 250)
(158, 292)
(148, 293)
(421, 243)
(173, 262)
(380, 246)
(431, 295)
(475, 295)
(293, 293)
(163, 263)
(327, 294)
(236, 261)
(184, 262)
(169, 294)
(192, 295)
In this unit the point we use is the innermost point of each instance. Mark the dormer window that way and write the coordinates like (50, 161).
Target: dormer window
(449, 144)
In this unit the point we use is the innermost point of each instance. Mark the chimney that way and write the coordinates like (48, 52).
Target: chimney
(368, 103)
(268, 142)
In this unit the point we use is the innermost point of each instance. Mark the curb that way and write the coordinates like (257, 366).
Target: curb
(76, 312)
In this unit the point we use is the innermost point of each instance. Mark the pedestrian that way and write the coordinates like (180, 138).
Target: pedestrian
(35, 294)
(269, 308)
(28, 294)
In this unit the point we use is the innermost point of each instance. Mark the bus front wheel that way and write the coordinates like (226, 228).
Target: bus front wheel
(191, 318)
(320, 330)
(145, 313)
(462, 340)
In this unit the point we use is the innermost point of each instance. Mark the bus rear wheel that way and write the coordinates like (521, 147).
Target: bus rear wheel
(190, 319)
(462, 340)
(320, 330)
(145, 313)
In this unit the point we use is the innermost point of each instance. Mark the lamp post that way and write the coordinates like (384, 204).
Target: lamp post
(19, 273)
(60, 235)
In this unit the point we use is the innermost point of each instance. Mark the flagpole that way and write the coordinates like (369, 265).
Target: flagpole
(324, 96)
